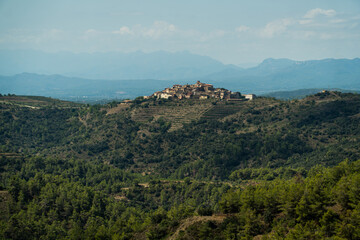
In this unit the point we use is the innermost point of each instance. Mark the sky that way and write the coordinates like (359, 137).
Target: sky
(231, 31)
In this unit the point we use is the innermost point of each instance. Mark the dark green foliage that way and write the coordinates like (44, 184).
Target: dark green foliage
(262, 133)
(205, 211)
(266, 173)
(243, 170)
(300, 208)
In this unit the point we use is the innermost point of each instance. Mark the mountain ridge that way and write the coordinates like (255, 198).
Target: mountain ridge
(110, 65)
(157, 70)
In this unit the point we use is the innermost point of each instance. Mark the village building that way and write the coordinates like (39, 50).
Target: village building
(200, 91)
(250, 96)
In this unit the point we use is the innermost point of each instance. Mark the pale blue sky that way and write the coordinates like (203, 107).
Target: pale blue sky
(232, 31)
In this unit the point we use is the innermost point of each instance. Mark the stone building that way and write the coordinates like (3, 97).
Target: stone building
(199, 90)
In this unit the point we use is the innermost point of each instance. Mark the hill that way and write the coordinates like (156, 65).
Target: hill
(35, 102)
(180, 169)
(302, 93)
(205, 139)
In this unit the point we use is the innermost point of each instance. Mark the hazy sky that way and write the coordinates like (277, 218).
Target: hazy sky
(232, 31)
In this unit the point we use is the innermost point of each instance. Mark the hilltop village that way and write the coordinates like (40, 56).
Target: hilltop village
(199, 91)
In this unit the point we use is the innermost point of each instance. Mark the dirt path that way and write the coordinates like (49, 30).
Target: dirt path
(192, 220)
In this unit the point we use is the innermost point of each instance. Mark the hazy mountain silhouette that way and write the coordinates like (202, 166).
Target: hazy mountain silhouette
(112, 65)
(285, 74)
(78, 88)
(157, 70)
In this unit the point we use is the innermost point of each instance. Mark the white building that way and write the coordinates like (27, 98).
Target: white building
(249, 96)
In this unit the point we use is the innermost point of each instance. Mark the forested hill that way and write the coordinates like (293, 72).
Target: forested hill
(153, 168)
(204, 139)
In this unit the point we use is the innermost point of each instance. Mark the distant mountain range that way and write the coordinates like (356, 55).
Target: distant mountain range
(159, 65)
(128, 75)
(286, 75)
(79, 89)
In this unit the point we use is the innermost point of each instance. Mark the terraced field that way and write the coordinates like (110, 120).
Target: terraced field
(177, 115)
(222, 110)
(184, 112)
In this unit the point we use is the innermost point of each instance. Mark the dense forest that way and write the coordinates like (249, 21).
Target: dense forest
(190, 169)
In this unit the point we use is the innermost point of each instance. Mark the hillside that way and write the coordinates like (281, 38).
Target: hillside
(35, 102)
(175, 137)
(180, 169)
(302, 93)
